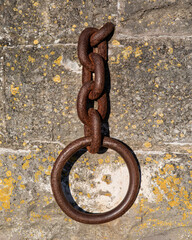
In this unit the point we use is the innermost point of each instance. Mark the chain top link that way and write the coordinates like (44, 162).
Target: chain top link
(92, 53)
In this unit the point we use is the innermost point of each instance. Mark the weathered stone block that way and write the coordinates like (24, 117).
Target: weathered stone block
(150, 95)
(41, 87)
(168, 17)
(47, 22)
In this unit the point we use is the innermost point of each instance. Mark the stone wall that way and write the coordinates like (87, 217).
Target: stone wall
(150, 62)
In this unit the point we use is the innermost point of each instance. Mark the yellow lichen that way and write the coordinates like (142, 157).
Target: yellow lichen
(22, 186)
(148, 159)
(76, 176)
(147, 144)
(58, 61)
(107, 159)
(88, 195)
(159, 196)
(41, 168)
(48, 172)
(159, 121)
(26, 165)
(57, 79)
(6, 188)
(19, 178)
(167, 156)
(106, 179)
(120, 160)
(115, 42)
(36, 4)
(127, 52)
(8, 173)
(36, 42)
(30, 59)
(138, 52)
(108, 194)
(37, 174)
(14, 90)
(47, 217)
(170, 50)
(100, 161)
(51, 159)
(166, 66)
(118, 59)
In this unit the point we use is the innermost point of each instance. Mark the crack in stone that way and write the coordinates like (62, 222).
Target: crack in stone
(13, 151)
(164, 234)
(50, 142)
(139, 14)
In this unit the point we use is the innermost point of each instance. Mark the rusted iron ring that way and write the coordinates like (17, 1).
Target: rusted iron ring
(96, 218)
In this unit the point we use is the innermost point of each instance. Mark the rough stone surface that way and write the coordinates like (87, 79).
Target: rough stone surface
(150, 62)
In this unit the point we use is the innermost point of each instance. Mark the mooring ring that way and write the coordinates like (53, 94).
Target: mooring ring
(96, 218)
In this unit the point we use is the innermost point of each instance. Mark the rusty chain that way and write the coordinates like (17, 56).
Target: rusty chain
(93, 62)
(93, 55)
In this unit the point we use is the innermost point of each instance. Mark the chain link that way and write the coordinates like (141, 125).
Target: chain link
(92, 53)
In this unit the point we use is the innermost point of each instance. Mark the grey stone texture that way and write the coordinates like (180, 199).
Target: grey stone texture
(150, 63)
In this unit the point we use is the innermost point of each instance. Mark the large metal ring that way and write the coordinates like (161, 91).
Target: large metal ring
(96, 218)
